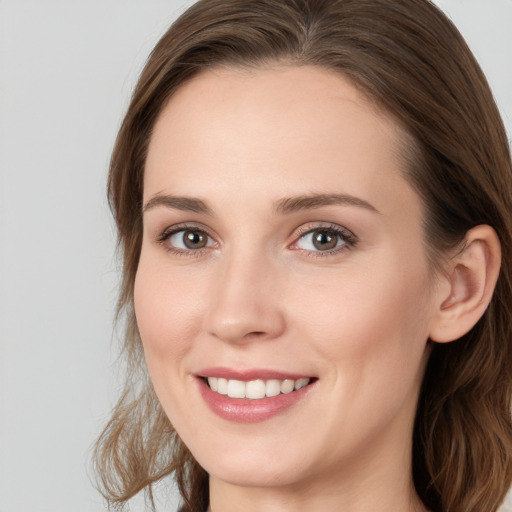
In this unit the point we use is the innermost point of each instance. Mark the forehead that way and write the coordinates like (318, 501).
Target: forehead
(295, 127)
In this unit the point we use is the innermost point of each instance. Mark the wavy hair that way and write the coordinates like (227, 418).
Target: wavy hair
(408, 58)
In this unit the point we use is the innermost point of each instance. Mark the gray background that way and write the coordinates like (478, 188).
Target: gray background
(66, 71)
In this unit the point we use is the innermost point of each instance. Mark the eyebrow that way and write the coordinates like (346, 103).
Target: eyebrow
(309, 202)
(283, 206)
(186, 204)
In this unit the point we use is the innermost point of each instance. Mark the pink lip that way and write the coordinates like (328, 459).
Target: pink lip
(243, 410)
(247, 375)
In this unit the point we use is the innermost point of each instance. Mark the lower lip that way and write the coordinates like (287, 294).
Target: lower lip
(244, 410)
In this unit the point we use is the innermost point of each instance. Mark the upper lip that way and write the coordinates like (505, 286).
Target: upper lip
(249, 374)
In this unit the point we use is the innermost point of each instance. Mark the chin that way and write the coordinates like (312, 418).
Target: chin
(255, 474)
(251, 463)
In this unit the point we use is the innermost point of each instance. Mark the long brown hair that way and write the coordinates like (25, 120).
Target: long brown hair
(412, 62)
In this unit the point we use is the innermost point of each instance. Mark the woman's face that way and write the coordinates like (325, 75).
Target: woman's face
(283, 248)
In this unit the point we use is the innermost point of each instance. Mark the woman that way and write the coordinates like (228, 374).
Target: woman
(313, 200)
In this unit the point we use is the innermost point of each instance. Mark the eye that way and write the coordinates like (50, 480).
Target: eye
(185, 240)
(189, 239)
(325, 239)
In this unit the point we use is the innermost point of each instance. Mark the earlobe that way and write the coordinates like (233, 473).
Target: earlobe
(468, 286)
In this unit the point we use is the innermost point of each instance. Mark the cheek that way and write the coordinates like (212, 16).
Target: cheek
(370, 322)
(370, 334)
(167, 310)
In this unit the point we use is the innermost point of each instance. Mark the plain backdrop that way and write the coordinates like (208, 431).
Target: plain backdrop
(67, 68)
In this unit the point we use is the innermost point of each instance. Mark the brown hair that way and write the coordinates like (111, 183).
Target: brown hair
(410, 59)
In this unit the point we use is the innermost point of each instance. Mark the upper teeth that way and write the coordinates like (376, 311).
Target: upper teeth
(255, 389)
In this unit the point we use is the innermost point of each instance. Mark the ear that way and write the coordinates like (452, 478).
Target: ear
(467, 287)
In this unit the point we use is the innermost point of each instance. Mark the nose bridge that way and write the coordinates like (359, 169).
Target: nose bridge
(244, 305)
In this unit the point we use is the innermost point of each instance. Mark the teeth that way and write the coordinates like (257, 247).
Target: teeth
(222, 386)
(273, 387)
(214, 383)
(300, 383)
(288, 385)
(236, 389)
(255, 389)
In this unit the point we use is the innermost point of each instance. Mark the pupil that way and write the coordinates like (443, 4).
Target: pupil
(324, 240)
(194, 239)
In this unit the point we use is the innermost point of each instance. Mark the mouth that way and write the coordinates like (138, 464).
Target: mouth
(249, 396)
(256, 389)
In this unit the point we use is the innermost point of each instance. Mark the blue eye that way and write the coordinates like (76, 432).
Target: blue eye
(324, 239)
(189, 239)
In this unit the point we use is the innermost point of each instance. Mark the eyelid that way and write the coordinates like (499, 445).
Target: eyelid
(328, 226)
(314, 226)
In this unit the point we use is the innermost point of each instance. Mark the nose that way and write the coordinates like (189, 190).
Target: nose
(245, 301)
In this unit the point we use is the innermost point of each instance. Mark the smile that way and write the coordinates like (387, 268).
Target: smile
(255, 389)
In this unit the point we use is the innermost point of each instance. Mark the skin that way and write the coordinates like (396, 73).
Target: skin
(261, 295)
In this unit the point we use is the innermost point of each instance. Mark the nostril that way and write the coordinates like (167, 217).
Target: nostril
(254, 335)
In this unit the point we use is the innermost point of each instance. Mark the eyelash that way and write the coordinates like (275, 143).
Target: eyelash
(347, 237)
